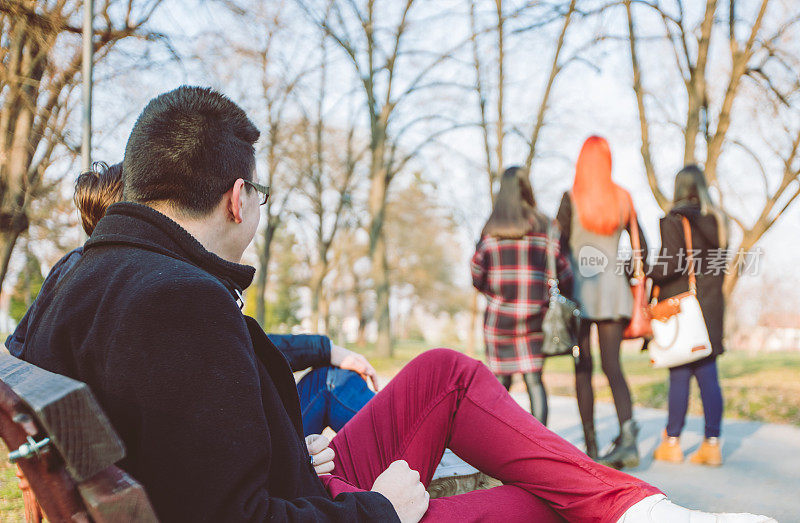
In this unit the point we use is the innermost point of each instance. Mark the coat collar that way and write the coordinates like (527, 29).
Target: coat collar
(140, 226)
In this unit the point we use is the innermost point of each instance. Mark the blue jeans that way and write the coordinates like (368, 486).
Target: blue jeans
(705, 371)
(330, 396)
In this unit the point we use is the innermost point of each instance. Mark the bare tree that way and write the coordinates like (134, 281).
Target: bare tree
(348, 254)
(762, 62)
(278, 64)
(41, 64)
(495, 125)
(557, 65)
(276, 94)
(329, 165)
(374, 37)
(484, 90)
(422, 234)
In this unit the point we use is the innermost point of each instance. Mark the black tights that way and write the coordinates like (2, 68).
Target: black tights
(536, 393)
(610, 337)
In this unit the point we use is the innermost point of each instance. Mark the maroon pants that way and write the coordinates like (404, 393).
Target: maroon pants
(443, 399)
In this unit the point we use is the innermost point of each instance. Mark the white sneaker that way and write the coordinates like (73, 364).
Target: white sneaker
(658, 509)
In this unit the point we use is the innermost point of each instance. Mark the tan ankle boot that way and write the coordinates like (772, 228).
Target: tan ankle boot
(709, 453)
(669, 450)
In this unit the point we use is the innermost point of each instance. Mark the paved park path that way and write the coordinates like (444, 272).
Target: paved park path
(761, 473)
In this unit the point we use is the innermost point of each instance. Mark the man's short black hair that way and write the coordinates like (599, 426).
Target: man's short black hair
(188, 147)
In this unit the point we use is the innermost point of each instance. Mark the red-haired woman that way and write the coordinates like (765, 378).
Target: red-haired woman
(592, 217)
(509, 268)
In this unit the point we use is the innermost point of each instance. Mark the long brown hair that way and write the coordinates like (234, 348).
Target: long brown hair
(602, 205)
(691, 189)
(514, 213)
(95, 190)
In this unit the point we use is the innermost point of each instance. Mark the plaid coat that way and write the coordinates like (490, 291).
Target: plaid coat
(511, 273)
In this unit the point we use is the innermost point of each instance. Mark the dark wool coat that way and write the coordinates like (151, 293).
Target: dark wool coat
(511, 273)
(669, 271)
(16, 340)
(206, 405)
(300, 350)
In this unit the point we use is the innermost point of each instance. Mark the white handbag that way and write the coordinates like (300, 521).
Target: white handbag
(680, 335)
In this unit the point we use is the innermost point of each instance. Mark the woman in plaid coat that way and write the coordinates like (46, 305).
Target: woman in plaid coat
(509, 269)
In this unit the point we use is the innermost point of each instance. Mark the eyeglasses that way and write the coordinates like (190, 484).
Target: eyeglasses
(263, 189)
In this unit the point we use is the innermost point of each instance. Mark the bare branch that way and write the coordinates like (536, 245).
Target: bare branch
(554, 70)
(652, 179)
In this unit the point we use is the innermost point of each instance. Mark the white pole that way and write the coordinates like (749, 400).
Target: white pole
(88, 49)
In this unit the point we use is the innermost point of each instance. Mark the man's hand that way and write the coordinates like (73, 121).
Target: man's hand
(349, 360)
(402, 487)
(318, 448)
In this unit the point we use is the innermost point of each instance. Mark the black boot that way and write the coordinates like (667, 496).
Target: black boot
(537, 395)
(590, 438)
(624, 453)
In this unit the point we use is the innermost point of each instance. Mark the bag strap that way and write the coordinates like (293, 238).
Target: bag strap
(687, 238)
(638, 262)
(551, 272)
(687, 235)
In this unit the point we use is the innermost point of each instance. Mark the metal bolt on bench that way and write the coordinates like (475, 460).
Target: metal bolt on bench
(69, 473)
(31, 448)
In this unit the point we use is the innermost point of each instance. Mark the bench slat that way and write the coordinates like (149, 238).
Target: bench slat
(113, 496)
(70, 415)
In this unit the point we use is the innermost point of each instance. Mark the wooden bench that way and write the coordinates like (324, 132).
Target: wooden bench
(455, 476)
(65, 448)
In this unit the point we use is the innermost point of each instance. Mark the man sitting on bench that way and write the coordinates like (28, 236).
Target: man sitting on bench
(330, 394)
(206, 405)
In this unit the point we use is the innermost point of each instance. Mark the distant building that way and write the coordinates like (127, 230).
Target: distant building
(774, 332)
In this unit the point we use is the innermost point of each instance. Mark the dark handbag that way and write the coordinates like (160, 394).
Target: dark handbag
(639, 326)
(562, 318)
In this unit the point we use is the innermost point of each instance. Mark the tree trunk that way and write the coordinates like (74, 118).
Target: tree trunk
(696, 86)
(360, 307)
(380, 270)
(325, 315)
(472, 349)
(319, 305)
(261, 280)
(501, 80)
(8, 239)
(13, 213)
(361, 337)
(377, 239)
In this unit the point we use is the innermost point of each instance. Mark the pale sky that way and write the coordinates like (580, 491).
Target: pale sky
(594, 99)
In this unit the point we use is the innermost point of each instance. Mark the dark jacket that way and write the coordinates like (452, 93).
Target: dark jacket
(16, 340)
(301, 350)
(206, 405)
(669, 271)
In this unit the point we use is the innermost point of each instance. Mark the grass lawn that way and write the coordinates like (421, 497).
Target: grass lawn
(761, 387)
(10, 496)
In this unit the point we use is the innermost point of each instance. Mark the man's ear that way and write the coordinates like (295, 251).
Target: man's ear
(234, 200)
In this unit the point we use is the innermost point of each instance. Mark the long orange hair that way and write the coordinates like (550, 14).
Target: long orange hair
(602, 205)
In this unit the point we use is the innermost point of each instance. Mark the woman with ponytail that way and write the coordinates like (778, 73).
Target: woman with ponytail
(509, 268)
(592, 217)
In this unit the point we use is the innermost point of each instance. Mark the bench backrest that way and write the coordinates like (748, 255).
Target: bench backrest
(83, 445)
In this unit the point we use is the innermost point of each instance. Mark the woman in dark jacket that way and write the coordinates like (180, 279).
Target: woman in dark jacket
(709, 241)
(509, 268)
